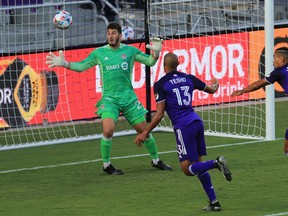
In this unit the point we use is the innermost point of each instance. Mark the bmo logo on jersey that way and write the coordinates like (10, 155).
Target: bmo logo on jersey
(124, 66)
(112, 67)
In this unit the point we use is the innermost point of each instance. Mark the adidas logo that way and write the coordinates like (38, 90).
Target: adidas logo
(106, 58)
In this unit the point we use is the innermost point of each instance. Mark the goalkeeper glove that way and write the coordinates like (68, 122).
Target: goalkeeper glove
(156, 46)
(286, 153)
(54, 60)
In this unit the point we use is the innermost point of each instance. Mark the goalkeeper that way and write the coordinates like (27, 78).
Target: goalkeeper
(279, 74)
(116, 61)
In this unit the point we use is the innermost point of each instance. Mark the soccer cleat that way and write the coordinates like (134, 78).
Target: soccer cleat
(213, 207)
(112, 170)
(160, 165)
(222, 166)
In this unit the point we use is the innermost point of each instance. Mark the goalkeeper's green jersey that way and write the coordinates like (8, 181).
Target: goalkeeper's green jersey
(116, 67)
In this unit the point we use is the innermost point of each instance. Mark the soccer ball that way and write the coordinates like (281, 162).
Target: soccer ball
(127, 33)
(62, 20)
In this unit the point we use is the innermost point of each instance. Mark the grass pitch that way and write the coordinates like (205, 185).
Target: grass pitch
(68, 179)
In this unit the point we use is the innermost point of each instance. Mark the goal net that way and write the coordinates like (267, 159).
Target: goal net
(41, 106)
(216, 39)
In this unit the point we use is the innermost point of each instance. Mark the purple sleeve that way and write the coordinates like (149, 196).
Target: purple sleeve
(272, 77)
(159, 92)
(279, 75)
(198, 84)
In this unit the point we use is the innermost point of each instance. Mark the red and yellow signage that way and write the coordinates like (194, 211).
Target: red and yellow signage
(231, 58)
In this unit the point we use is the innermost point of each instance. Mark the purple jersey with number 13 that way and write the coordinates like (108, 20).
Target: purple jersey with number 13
(176, 88)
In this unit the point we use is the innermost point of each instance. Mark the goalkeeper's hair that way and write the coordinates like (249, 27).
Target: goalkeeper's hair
(116, 26)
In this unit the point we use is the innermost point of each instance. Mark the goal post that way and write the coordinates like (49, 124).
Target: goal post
(269, 50)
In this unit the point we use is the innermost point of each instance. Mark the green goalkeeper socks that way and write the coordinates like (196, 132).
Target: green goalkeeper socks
(150, 144)
(106, 144)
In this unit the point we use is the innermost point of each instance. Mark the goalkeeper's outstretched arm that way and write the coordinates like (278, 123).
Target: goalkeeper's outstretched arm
(54, 61)
(155, 46)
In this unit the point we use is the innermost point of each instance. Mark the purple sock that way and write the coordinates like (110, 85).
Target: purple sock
(207, 186)
(201, 167)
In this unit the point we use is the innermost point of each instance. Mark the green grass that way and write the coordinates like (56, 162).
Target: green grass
(58, 186)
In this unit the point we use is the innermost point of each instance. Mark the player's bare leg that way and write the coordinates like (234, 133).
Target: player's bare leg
(286, 147)
(286, 143)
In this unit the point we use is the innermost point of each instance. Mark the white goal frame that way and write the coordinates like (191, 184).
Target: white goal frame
(225, 6)
(269, 100)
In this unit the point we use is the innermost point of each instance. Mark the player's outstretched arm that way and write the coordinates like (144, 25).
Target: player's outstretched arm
(156, 46)
(54, 61)
(252, 87)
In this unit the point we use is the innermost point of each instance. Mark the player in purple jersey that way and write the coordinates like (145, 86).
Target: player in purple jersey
(279, 74)
(173, 93)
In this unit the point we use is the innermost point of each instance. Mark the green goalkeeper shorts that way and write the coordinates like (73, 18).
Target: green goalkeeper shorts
(132, 109)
